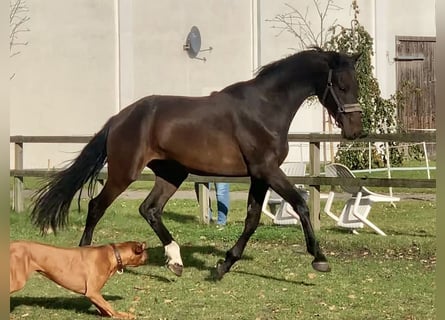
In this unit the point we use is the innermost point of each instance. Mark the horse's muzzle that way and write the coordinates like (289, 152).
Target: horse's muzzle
(352, 135)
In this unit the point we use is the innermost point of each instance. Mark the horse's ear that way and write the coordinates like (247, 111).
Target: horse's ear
(356, 56)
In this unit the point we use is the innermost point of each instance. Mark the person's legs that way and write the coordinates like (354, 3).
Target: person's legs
(223, 201)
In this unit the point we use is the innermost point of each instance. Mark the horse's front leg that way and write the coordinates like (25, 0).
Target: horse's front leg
(279, 183)
(257, 192)
(151, 209)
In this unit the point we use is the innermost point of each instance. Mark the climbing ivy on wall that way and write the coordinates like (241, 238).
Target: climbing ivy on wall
(378, 113)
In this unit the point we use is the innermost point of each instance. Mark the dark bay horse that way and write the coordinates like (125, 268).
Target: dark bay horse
(239, 131)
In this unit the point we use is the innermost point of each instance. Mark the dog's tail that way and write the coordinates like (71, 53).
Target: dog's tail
(52, 201)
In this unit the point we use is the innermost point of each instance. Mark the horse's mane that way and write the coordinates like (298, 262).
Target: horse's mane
(275, 65)
(295, 59)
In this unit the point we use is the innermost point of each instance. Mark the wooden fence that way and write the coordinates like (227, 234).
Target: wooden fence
(313, 180)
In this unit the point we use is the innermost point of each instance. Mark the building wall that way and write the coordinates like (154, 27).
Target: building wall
(417, 19)
(383, 19)
(160, 64)
(65, 78)
(88, 59)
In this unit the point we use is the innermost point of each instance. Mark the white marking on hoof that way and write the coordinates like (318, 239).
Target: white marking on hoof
(173, 254)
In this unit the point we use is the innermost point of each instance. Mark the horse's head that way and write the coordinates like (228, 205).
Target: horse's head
(338, 92)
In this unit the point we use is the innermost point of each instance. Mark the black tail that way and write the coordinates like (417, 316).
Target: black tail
(52, 201)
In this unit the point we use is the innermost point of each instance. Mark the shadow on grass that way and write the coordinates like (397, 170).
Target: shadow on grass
(157, 258)
(419, 234)
(151, 275)
(178, 217)
(78, 304)
(268, 277)
(188, 253)
(390, 232)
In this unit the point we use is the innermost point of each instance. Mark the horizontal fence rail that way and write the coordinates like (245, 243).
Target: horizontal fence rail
(307, 180)
(292, 137)
(314, 180)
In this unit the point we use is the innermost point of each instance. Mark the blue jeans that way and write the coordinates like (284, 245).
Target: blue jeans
(223, 201)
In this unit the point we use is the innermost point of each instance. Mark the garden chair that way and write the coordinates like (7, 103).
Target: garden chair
(356, 209)
(276, 207)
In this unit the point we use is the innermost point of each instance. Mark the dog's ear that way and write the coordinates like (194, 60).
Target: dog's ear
(139, 247)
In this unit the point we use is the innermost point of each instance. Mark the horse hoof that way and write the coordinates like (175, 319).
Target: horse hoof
(322, 266)
(176, 268)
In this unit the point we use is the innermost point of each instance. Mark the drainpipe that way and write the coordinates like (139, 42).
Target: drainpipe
(125, 52)
(374, 35)
(255, 18)
(117, 54)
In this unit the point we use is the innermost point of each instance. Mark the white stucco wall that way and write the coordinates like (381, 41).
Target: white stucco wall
(64, 80)
(161, 66)
(68, 68)
(86, 59)
(95, 57)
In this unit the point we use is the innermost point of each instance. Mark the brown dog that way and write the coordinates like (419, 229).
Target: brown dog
(84, 270)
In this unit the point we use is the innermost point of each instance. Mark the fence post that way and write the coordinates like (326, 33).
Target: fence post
(18, 180)
(314, 195)
(204, 202)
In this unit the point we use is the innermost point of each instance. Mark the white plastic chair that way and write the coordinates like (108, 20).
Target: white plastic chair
(356, 209)
(276, 207)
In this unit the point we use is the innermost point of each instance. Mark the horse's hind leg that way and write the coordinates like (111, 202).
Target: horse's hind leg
(255, 200)
(97, 207)
(279, 183)
(169, 176)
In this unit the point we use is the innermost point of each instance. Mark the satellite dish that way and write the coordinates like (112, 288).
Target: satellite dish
(193, 42)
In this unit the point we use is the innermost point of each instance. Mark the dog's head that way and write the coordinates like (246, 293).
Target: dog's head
(133, 253)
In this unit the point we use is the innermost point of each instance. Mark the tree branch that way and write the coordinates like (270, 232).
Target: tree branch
(298, 24)
(17, 22)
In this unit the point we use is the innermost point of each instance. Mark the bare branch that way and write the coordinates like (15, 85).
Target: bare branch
(17, 21)
(299, 25)
(18, 17)
(305, 24)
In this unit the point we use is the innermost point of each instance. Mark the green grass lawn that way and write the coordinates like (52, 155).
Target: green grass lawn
(373, 277)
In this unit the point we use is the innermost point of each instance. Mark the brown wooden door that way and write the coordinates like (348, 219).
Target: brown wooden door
(416, 81)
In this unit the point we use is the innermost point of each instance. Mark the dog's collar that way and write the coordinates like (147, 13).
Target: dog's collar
(120, 266)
